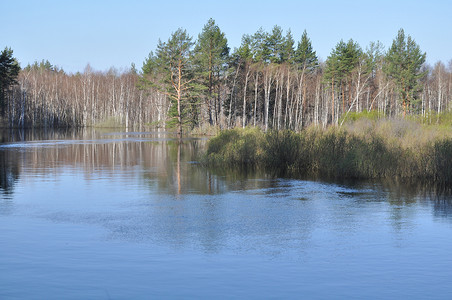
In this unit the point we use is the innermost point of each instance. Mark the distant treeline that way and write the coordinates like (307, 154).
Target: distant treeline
(270, 81)
(48, 97)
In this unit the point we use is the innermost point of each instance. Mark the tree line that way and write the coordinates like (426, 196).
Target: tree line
(269, 81)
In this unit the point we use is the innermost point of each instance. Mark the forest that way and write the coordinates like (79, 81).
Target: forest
(192, 85)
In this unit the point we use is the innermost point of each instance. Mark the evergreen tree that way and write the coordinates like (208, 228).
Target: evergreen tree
(170, 71)
(339, 68)
(350, 56)
(287, 50)
(211, 56)
(404, 61)
(9, 70)
(333, 71)
(374, 57)
(305, 56)
(259, 46)
(275, 44)
(245, 51)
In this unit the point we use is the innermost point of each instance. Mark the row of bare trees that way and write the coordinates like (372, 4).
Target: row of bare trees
(48, 97)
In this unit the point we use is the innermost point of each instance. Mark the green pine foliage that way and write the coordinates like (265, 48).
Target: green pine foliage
(171, 71)
(210, 58)
(305, 56)
(9, 70)
(404, 61)
(343, 60)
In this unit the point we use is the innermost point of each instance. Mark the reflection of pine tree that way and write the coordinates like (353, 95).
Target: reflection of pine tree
(9, 172)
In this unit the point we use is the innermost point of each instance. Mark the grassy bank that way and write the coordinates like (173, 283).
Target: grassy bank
(362, 149)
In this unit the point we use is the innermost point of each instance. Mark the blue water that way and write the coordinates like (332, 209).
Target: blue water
(115, 216)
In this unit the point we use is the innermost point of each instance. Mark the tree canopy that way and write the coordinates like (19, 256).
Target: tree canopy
(9, 70)
(170, 70)
(270, 81)
(211, 56)
(404, 61)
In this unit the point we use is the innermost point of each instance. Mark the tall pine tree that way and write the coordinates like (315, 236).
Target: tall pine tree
(9, 70)
(305, 56)
(404, 61)
(211, 56)
(171, 72)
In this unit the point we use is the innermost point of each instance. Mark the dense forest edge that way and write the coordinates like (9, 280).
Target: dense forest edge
(270, 81)
(272, 101)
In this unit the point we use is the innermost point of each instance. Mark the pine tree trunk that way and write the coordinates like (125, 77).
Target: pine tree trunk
(179, 98)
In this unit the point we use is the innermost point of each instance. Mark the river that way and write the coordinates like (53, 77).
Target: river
(133, 215)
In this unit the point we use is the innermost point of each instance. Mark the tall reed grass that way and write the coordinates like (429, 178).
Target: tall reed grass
(362, 148)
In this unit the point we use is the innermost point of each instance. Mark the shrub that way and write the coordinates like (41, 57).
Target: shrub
(236, 147)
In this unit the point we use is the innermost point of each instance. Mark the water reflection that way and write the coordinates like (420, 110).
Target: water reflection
(136, 212)
(9, 172)
(166, 165)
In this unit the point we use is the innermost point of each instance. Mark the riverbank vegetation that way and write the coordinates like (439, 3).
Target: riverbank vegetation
(364, 148)
(272, 81)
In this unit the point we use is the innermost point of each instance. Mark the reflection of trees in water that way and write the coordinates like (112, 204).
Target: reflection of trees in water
(175, 169)
(442, 208)
(162, 162)
(9, 171)
(39, 134)
(404, 194)
(169, 166)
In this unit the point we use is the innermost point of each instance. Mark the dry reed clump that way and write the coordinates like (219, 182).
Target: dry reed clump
(360, 149)
(236, 147)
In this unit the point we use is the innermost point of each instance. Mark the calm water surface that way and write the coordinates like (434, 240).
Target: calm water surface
(94, 215)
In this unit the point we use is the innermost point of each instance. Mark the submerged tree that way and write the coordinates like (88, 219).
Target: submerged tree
(403, 65)
(9, 70)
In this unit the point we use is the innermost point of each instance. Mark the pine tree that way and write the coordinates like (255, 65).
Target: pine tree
(259, 46)
(211, 55)
(340, 65)
(287, 49)
(9, 70)
(275, 44)
(170, 71)
(245, 51)
(305, 56)
(404, 61)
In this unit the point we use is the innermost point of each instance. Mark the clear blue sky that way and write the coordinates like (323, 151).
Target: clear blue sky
(71, 34)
